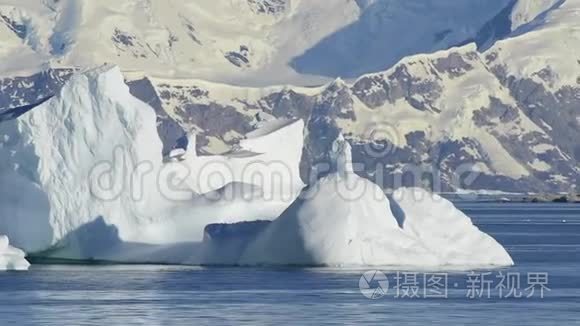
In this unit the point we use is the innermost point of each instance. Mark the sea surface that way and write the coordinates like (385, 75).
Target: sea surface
(542, 289)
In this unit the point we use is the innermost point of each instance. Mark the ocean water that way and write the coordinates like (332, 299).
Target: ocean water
(543, 239)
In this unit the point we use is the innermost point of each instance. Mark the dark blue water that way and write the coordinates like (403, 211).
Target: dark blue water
(544, 239)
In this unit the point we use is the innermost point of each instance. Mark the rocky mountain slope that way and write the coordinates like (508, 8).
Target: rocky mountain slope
(455, 119)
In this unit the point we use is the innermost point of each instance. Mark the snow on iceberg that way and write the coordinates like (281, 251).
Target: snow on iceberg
(11, 258)
(51, 150)
(347, 220)
(445, 230)
(84, 177)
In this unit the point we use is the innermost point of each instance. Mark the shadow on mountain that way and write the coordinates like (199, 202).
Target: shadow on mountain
(388, 31)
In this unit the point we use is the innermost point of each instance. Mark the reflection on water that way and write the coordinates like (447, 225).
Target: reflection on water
(540, 237)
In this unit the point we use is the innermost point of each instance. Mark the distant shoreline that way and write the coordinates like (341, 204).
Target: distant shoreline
(514, 198)
(544, 199)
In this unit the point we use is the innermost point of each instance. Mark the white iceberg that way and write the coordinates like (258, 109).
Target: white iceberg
(11, 258)
(83, 177)
(89, 161)
(445, 231)
(345, 220)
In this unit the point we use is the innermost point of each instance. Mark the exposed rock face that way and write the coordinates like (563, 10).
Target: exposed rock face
(170, 131)
(20, 91)
(270, 7)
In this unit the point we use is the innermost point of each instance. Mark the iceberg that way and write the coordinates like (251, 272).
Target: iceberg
(446, 231)
(83, 177)
(11, 258)
(345, 220)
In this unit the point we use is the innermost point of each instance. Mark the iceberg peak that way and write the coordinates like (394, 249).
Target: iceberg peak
(341, 156)
(191, 151)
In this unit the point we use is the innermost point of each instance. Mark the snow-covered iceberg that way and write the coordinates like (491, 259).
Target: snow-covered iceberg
(11, 258)
(83, 173)
(347, 220)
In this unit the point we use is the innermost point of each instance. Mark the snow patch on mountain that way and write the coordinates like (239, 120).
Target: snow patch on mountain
(19, 42)
(387, 31)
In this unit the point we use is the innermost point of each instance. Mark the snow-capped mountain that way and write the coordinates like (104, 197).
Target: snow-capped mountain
(452, 112)
(257, 42)
(478, 94)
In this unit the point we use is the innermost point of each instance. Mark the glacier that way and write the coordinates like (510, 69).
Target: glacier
(84, 178)
(11, 258)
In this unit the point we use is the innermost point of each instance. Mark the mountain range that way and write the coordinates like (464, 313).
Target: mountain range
(453, 95)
